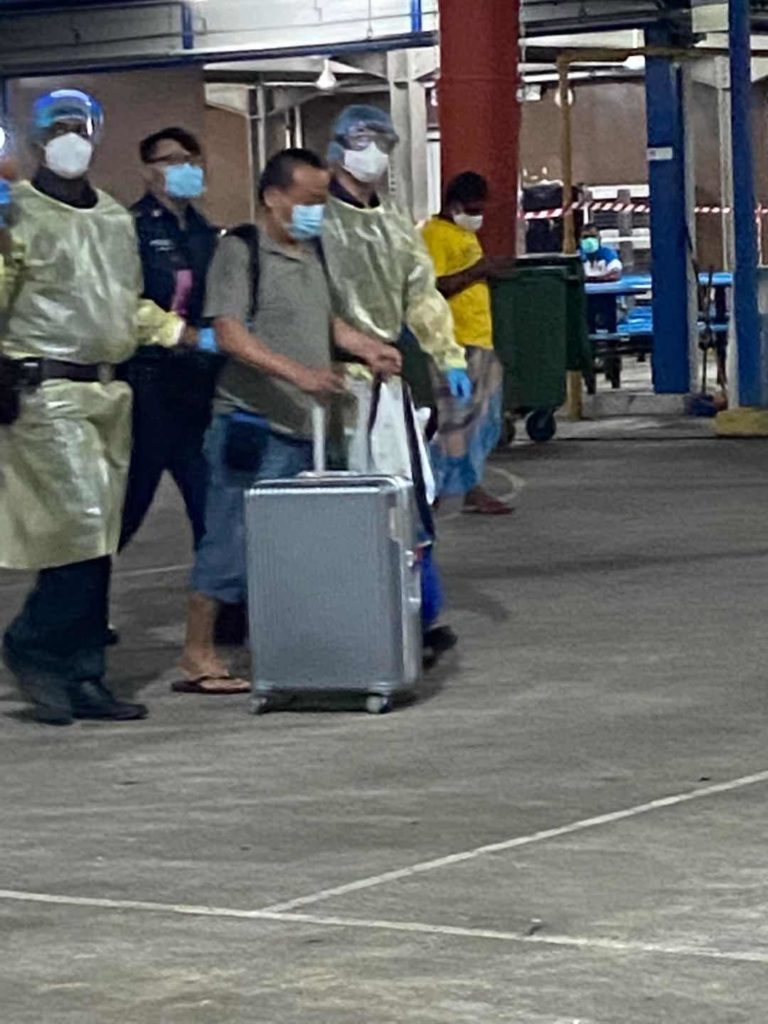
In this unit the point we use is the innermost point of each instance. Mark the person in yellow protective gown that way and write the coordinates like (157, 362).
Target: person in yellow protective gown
(383, 284)
(70, 281)
(468, 432)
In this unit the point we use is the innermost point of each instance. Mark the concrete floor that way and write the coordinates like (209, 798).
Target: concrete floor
(206, 867)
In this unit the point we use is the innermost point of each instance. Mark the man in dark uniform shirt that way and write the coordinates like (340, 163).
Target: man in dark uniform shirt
(172, 391)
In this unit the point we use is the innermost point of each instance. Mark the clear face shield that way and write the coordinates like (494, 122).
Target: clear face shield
(362, 137)
(67, 124)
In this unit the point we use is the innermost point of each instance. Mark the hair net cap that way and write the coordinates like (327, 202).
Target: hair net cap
(361, 118)
(67, 105)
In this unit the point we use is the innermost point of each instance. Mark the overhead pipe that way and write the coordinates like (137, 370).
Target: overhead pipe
(178, 58)
(14, 9)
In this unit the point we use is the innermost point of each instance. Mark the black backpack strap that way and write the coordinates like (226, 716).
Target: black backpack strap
(338, 355)
(419, 483)
(249, 234)
(317, 245)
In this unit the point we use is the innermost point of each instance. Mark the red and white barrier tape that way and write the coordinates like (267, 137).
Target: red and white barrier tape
(623, 207)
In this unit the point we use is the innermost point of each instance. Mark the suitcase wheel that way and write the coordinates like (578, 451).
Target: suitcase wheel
(376, 704)
(261, 705)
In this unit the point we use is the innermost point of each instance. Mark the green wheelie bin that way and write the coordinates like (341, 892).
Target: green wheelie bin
(540, 332)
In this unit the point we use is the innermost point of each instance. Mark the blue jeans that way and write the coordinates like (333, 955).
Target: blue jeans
(220, 569)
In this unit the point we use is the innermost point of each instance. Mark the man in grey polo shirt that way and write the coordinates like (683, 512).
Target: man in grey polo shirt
(279, 344)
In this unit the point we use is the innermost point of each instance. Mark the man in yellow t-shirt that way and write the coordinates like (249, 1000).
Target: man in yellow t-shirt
(468, 430)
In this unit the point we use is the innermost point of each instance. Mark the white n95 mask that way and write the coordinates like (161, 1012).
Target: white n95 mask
(468, 221)
(69, 155)
(366, 165)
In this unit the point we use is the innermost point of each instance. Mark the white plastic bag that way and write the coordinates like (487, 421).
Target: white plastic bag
(385, 448)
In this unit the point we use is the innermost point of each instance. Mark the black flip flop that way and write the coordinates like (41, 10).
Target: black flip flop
(196, 686)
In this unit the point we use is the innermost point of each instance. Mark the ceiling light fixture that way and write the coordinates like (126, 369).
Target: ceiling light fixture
(327, 81)
(559, 100)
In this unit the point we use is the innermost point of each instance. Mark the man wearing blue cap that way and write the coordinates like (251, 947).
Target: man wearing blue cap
(384, 285)
(70, 281)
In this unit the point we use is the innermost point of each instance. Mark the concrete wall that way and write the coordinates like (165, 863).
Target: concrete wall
(608, 132)
(137, 103)
(609, 137)
(610, 146)
(230, 170)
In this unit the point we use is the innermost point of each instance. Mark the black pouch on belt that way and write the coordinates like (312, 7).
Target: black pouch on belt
(10, 390)
(246, 442)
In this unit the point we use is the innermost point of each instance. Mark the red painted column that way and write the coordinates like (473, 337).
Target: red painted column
(479, 111)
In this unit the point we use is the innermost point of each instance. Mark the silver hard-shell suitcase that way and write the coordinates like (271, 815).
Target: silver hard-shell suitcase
(334, 587)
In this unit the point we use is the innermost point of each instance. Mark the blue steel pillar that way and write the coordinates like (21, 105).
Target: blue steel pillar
(669, 230)
(747, 319)
(187, 27)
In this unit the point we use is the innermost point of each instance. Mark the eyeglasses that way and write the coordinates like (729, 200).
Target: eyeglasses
(177, 159)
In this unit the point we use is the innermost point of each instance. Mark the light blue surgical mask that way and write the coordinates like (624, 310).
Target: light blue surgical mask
(590, 246)
(184, 181)
(307, 222)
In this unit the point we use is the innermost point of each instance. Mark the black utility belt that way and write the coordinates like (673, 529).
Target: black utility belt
(19, 375)
(31, 373)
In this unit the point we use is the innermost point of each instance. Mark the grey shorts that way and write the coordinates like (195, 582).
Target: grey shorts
(220, 569)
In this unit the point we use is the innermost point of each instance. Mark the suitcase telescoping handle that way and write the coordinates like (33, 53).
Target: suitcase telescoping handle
(318, 437)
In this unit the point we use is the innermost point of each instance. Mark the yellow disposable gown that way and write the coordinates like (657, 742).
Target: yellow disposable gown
(382, 277)
(69, 290)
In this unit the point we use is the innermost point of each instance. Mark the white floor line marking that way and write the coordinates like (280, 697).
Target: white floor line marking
(133, 573)
(575, 942)
(511, 844)
(409, 927)
(95, 902)
(517, 484)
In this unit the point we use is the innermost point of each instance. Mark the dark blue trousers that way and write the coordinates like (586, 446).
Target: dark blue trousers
(62, 627)
(171, 412)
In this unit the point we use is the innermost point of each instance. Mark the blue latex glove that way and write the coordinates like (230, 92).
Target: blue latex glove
(460, 385)
(5, 201)
(207, 340)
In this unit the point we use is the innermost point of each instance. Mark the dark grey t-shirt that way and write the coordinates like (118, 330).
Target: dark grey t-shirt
(293, 318)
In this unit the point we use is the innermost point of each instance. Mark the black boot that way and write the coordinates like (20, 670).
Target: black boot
(93, 700)
(438, 641)
(47, 692)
